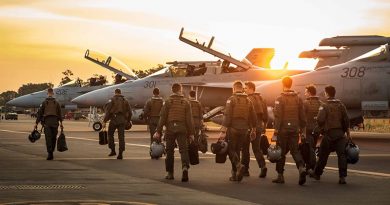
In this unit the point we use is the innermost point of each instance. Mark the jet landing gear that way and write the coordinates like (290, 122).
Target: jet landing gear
(95, 119)
(97, 126)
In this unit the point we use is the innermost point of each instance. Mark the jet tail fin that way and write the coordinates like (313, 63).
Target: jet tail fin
(261, 57)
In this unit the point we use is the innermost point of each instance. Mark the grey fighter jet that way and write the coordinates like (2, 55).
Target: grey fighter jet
(65, 93)
(212, 82)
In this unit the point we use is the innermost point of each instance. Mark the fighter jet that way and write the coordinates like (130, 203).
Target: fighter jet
(65, 93)
(361, 84)
(208, 79)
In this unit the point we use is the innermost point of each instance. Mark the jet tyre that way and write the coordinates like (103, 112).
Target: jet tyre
(97, 126)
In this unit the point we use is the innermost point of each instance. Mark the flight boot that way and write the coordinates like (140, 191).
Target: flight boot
(342, 180)
(112, 153)
(279, 179)
(233, 177)
(169, 176)
(240, 172)
(263, 172)
(246, 172)
(50, 156)
(120, 155)
(302, 175)
(184, 177)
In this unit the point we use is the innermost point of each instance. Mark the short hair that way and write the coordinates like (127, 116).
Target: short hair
(330, 90)
(238, 84)
(287, 81)
(250, 85)
(118, 91)
(176, 87)
(156, 91)
(311, 89)
(192, 93)
(50, 90)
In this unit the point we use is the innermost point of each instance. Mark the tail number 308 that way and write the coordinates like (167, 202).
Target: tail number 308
(353, 72)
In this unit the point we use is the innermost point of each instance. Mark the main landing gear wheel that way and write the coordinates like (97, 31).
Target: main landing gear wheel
(97, 126)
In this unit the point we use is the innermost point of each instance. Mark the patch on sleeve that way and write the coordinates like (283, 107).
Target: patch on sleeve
(321, 108)
(109, 100)
(228, 101)
(277, 102)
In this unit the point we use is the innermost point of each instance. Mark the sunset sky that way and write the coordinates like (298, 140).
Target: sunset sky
(40, 39)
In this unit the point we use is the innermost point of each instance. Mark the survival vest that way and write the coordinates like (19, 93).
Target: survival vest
(156, 104)
(312, 106)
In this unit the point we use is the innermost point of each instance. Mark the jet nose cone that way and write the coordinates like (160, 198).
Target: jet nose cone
(12, 102)
(29, 100)
(94, 98)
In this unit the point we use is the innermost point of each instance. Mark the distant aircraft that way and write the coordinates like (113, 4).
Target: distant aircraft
(363, 84)
(65, 93)
(345, 48)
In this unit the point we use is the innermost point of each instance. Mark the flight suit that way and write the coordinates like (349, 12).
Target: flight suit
(239, 117)
(289, 120)
(333, 117)
(197, 115)
(152, 111)
(49, 114)
(260, 108)
(177, 118)
(118, 111)
(311, 106)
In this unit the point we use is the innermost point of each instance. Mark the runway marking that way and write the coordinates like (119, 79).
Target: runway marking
(108, 158)
(209, 153)
(77, 202)
(366, 155)
(11, 131)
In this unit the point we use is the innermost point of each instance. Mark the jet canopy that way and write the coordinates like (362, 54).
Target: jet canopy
(111, 64)
(189, 69)
(379, 54)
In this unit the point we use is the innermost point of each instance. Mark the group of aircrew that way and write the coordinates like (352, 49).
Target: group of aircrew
(245, 120)
(295, 120)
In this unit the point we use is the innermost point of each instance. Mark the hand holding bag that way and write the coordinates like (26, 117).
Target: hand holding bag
(61, 142)
(193, 153)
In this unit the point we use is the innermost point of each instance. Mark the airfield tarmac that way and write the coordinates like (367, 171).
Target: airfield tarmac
(85, 175)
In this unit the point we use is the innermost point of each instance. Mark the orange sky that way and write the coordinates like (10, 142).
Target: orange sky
(40, 39)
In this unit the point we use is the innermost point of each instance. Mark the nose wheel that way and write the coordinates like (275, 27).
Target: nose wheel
(97, 126)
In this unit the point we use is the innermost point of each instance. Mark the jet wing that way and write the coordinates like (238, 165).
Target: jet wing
(209, 85)
(224, 85)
